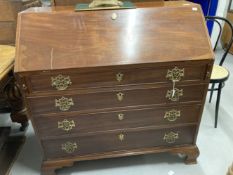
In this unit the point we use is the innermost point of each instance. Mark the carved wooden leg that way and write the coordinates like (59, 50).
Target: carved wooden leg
(48, 171)
(192, 155)
(50, 167)
(15, 99)
(191, 152)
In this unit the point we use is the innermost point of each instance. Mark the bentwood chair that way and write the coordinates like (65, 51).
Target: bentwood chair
(219, 73)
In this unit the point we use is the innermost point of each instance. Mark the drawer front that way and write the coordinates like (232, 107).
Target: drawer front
(89, 123)
(113, 99)
(117, 141)
(107, 77)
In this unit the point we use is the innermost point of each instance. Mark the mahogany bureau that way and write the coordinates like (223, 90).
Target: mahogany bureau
(112, 83)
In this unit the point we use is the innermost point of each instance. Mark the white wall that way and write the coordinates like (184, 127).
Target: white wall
(221, 11)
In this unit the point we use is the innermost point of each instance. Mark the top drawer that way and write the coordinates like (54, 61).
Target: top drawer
(113, 76)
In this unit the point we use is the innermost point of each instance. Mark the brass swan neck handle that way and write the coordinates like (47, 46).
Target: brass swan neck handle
(103, 3)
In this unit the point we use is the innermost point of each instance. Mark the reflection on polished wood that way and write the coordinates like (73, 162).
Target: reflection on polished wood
(122, 44)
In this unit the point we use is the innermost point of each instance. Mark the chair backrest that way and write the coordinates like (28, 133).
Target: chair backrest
(217, 19)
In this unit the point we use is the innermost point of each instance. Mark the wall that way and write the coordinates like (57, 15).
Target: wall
(221, 11)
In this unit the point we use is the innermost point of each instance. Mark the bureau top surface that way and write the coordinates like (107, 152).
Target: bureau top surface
(60, 38)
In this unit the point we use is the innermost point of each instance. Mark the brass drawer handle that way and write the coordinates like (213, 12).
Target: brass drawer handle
(61, 82)
(64, 104)
(119, 77)
(121, 116)
(120, 96)
(66, 125)
(121, 137)
(174, 94)
(175, 74)
(171, 137)
(172, 115)
(69, 147)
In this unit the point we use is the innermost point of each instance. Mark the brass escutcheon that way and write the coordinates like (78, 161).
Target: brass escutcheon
(121, 116)
(61, 82)
(119, 77)
(172, 115)
(66, 125)
(24, 86)
(121, 137)
(114, 16)
(208, 74)
(175, 74)
(69, 147)
(174, 96)
(171, 137)
(64, 103)
(120, 96)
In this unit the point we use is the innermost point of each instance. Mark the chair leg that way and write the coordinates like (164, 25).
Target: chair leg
(211, 92)
(217, 104)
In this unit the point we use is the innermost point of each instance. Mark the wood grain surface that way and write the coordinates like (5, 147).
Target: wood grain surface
(107, 99)
(68, 39)
(108, 142)
(104, 121)
(41, 82)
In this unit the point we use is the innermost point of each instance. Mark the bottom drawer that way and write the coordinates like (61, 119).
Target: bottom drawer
(117, 141)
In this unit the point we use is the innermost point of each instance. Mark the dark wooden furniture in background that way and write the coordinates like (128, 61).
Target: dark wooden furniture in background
(10, 101)
(4, 105)
(8, 17)
(11, 97)
(10, 147)
(114, 83)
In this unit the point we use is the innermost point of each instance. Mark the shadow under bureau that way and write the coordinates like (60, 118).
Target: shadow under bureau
(98, 87)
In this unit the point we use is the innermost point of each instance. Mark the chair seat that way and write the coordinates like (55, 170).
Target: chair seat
(7, 57)
(219, 73)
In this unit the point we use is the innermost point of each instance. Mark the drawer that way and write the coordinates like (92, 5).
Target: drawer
(90, 123)
(117, 141)
(115, 99)
(107, 77)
